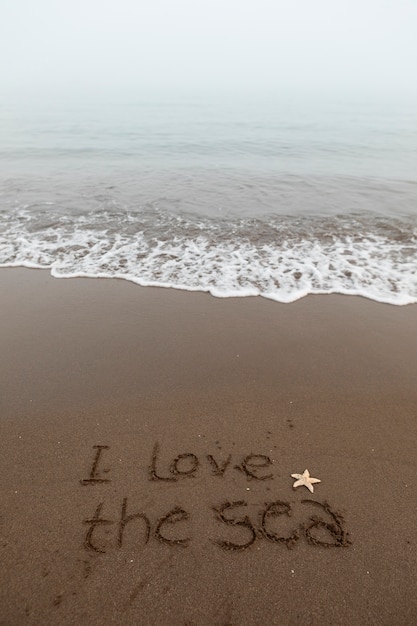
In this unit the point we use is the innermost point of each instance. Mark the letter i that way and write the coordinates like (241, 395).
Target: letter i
(94, 474)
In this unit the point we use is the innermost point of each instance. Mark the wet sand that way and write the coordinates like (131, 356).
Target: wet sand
(147, 437)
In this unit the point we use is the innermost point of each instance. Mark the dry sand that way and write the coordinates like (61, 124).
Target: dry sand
(327, 383)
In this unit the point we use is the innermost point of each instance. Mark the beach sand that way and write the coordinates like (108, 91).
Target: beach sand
(204, 403)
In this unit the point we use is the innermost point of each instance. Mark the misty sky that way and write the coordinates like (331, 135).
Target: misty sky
(196, 44)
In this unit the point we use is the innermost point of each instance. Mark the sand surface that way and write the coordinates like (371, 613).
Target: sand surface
(147, 437)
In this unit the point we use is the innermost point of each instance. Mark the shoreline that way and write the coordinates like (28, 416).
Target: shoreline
(236, 394)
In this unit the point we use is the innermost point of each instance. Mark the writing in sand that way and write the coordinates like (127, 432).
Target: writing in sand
(315, 521)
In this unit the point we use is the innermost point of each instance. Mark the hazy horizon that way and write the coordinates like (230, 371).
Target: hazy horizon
(137, 49)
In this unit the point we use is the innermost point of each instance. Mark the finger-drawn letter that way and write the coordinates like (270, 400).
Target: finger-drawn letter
(93, 523)
(152, 467)
(335, 529)
(185, 465)
(273, 510)
(219, 468)
(125, 519)
(94, 474)
(233, 521)
(252, 463)
(174, 516)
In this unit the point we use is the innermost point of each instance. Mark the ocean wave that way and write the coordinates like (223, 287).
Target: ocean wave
(283, 258)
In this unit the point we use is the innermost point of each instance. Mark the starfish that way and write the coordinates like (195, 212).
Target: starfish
(305, 479)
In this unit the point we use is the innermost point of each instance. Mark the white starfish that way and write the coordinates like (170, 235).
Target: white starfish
(305, 479)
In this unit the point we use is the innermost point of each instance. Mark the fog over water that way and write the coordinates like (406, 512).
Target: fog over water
(272, 45)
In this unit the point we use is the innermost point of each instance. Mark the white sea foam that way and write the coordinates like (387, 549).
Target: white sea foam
(281, 258)
(271, 197)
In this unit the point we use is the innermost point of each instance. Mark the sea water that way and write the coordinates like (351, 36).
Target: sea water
(237, 196)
